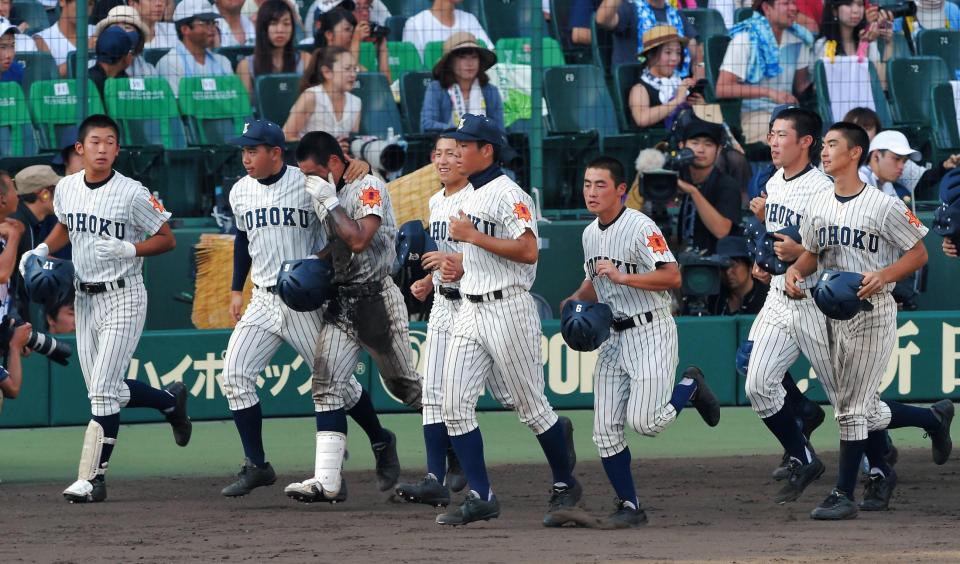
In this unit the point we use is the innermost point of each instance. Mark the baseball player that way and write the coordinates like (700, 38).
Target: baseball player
(497, 328)
(276, 222)
(367, 312)
(112, 222)
(630, 268)
(856, 227)
(432, 490)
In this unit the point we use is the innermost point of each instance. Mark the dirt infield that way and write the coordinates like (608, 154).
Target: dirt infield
(699, 509)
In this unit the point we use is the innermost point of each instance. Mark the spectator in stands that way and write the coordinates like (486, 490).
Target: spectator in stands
(810, 14)
(60, 318)
(710, 207)
(889, 153)
(101, 8)
(114, 55)
(628, 21)
(340, 28)
(35, 186)
(766, 64)
(10, 70)
(844, 31)
(461, 85)
(235, 28)
(325, 102)
(440, 22)
(275, 50)
(932, 14)
(581, 14)
(23, 42)
(740, 292)
(160, 34)
(61, 38)
(128, 18)
(661, 89)
(68, 159)
(378, 11)
(192, 56)
(6, 7)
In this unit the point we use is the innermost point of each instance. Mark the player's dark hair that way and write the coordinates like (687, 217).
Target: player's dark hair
(611, 165)
(805, 123)
(95, 121)
(497, 150)
(855, 136)
(28, 198)
(445, 134)
(865, 118)
(319, 146)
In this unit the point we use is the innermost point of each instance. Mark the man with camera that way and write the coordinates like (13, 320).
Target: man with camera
(710, 208)
(741, 293)
(35, 185)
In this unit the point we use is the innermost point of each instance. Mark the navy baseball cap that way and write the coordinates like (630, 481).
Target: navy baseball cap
(478, 128)
(114, 44)
(260, 132)
(700, 128)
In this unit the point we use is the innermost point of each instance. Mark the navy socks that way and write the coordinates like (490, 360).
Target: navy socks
(249, 423)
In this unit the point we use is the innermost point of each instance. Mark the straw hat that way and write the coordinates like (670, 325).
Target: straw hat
(124, 15)
(463, 41)
(659, 35)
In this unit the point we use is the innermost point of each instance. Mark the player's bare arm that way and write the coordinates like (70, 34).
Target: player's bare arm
(57, 239)
(357, 234)
(910, 262)
(665, 277)
(716, 223)
(805, 266)
(422, 288)
(161, 242)
(10, 230)
(786, 248)
(949, 248)
(523, 249)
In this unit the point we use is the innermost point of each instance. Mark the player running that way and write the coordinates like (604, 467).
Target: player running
(112, 222)
(276, 222)
(368, 312)
(858, 228)
(630, 268)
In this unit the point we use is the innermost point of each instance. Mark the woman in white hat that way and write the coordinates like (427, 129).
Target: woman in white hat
(461, 85)
(661, 89)
(129, 19)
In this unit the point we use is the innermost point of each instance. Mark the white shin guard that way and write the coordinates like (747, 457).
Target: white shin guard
(93, 441)
(331, 447)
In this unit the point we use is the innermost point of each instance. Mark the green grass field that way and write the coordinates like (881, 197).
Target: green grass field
(51, 454)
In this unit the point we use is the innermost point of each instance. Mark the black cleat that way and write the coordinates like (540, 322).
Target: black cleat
(562, 497)
(626, 517)
(178, 418)
(84, 491)
(878, 491)
(472, 509)
(456, 480)
(703, 399)
(940, 437)
(801, 475)
(568, 439)
(310, 491)
(782, 472)
(835, 507)
(388, 463)
(250, 477)
(813, 419)
(427, 491)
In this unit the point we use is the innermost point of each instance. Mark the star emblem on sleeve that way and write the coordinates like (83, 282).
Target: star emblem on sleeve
(522, 211)
(657, 243)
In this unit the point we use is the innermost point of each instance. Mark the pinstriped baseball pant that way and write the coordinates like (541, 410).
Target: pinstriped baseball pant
(502, 335)
(633, 381)
(265, 325)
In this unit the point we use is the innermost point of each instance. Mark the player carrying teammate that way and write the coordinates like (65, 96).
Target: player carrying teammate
(112, 222)
(630, 268)
(276, 222)
(432, 490)
(367, 312)
(858, 228)
(497, 328)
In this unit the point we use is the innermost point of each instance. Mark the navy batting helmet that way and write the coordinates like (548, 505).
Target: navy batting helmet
(950, 187)
(585, 325)
(836, 294)
(753, 231)
(743, 357)
(766, 257)
(946, 220)
(304, 284)
(48, 280)
(412, 243)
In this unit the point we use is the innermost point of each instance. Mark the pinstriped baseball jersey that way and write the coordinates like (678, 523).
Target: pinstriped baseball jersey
(786, 204)
(4, 290)
(502, 210)
(121, 209)
(635, 244)
(363, 197)
(863, 234)
(279, 221)
(441, 209)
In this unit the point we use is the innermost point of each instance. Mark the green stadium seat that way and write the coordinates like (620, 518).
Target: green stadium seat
(601, 46)
(215, 108)
(433, 50)
(512, 19)
(37, 66)
(380, 113)
(368, 57)
(946, 134)
(235, 54)
(707, 21)
(943, 43)
(16, 128)
(624, 78)
(396, 23)
(153, 56)
(53, 104)
(518, 51)
(742, 14)
(276, 94)
(31, 12)
(910, 81)
(403, 58)
(413, 88)
(823, 96)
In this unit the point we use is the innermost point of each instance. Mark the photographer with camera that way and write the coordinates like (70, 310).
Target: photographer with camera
(710, 208)
(740, 292)
(340, 25)
(11, 376)
(924, 14)
(34, 187)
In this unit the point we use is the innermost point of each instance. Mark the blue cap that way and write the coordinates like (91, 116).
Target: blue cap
(114, 44)
(260, 132)
(733, 246)
(950, 188)
(478, 128)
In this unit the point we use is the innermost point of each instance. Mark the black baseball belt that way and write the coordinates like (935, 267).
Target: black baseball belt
(364, 290)
(268, 289)
(100, 287)
(449, 293)
(631, 322)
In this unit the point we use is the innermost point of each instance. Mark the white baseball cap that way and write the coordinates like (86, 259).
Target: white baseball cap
(189, 9)
(894, 141)
(7, 27)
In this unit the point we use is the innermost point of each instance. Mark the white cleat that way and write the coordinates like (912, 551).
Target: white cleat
(311, 491)
(85, 491)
